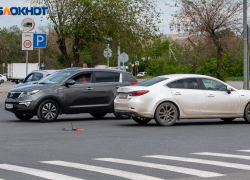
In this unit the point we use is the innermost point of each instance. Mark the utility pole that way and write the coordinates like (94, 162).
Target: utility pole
(245, 69)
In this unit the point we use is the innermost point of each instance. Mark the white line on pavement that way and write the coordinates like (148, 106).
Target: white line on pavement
(223, 155)
(202, 161)
(114, 172)
(182, 170)
(244, 150)
(37, 172)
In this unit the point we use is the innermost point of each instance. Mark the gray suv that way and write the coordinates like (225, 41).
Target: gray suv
(70, 91)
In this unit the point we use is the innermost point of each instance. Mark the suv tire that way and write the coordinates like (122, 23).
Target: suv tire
(48, 111)
(23, 117)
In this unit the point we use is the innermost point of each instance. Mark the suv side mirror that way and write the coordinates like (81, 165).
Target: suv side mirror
(22, 81)
(229, 89)
(70, 82)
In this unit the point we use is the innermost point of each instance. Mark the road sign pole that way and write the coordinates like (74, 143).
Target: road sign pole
(118, 52)
(27, 57)
(246, 73)
(39, 58)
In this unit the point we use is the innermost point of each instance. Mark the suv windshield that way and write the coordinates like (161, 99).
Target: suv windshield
(152, 81)
(56, 78)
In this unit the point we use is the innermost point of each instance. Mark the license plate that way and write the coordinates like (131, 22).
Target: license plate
(123, 96)
(9, 106)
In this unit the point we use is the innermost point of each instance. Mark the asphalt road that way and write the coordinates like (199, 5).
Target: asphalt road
(121, 149)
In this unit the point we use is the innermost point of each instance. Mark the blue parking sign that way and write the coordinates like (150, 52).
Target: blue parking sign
(40, 40)
(42, 64)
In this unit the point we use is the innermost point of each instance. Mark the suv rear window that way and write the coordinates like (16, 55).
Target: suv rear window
(152, 81)
(104, 77)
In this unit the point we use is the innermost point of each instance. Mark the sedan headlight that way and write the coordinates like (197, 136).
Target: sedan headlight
(28, 93)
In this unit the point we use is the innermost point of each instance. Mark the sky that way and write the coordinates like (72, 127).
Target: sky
(8, 21)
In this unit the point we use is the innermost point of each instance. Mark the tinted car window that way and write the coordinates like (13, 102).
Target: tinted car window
(128, 78)
(117, 77)
(56, 77)
(83, 78)
(152, 81)
(188, 83)
(214, 85)
(37, 77)
(29, 78)
(104, 77)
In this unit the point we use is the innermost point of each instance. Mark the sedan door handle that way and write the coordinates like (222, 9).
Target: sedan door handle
(89, 88)
(177, 93)
(210, 95)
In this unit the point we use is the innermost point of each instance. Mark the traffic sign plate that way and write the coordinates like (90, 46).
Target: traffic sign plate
(42, 64)
(123, 58)
(107, 53)
(40, 40)
(28, 24)
(137, 63)
(27, 41)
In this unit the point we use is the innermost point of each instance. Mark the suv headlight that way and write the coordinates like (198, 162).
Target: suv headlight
(28, 93)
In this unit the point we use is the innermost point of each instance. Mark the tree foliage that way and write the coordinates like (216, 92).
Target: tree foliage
(86, 23)
(210, 19)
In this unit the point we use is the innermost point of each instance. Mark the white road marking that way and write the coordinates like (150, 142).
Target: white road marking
(223, 155)
(202, 161)
(182, 170)
(37, 172)
(244, 150)
(114, 172)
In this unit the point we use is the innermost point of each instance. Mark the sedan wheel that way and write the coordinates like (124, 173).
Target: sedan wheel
(98, 115)
(48, 111)
(247, 114)
(141, 120)
(166, 114)
(23, 117)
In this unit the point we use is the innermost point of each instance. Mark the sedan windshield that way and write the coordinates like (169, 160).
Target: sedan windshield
(152, 81)
(56, 77)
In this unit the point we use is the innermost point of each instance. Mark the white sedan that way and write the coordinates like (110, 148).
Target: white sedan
(3, 78)
(171, 97)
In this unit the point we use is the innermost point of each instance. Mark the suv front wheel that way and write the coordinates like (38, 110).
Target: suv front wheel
(48, 111)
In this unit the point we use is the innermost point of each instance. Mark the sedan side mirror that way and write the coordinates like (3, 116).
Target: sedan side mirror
(229, 89)
(70, 82)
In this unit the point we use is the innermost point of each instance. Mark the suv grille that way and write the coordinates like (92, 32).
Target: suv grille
(13, 95)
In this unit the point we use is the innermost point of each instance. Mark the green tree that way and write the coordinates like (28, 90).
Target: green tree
(209, 19)
(86, 22)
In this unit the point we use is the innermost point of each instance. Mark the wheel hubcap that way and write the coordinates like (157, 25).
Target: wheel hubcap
(167, 114)
(49, 111)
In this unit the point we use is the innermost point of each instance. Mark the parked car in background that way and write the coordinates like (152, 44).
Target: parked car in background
(141, 74)
(70, 91)
(3, 78)
(171, 97)
(35, 76)
(6, 75)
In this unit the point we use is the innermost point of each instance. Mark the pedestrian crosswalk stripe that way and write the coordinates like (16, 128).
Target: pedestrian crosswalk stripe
(182, 170)
(114, 172)
(203, 161)
(37, 172)
(223, 155)
(244, 150)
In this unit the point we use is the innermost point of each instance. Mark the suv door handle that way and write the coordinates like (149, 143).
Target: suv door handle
(210, 95)
(177, 93)
(89, 88)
